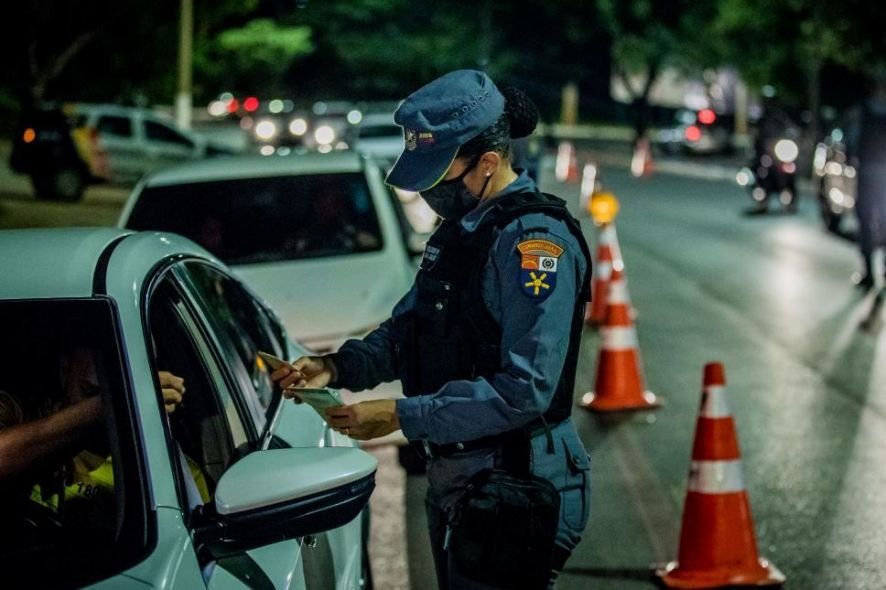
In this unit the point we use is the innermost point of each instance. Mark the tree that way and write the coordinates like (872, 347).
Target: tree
(649, 35)
(789, 43)
(252, 58)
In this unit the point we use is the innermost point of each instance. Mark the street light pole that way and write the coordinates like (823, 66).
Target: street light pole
(183, 103)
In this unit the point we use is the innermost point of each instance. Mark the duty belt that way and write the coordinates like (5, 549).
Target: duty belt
(433, 450)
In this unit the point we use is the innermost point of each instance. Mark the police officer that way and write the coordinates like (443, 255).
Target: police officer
(486, 340)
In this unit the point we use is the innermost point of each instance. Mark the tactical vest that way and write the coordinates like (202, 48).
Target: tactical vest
(450, 334)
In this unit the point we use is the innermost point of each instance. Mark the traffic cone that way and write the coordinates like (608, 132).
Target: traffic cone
(717, 544)
(588, 186)
(641, 162)
(566, 168)
(620, 384)
(607, 253)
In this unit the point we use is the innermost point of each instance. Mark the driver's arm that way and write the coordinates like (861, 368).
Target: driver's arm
(28, 444)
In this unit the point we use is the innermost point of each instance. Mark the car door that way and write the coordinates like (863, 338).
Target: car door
(164, 145)
(240, 326)
(211, 430)
(119, 140)
(336, 557)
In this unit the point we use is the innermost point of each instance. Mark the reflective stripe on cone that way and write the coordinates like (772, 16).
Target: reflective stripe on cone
(608, 254)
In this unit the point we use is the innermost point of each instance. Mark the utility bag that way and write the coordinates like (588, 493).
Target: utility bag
(503, 530)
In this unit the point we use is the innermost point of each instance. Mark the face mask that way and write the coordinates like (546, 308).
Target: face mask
(451, 199)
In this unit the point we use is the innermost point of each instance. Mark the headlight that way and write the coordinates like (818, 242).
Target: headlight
(298, 127)
(786, 150)
(744, 177)
(324, 135)
(266, 130)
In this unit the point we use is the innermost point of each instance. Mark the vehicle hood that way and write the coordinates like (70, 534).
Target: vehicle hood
(330, 298)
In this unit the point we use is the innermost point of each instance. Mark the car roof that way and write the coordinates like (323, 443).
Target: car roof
(378, 119)
(61, 262)
(116, 109)
(252, 166)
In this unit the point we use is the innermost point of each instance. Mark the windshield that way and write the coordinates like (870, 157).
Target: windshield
(252, 220)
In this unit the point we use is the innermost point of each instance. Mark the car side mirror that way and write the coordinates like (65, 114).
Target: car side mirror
(269, 496)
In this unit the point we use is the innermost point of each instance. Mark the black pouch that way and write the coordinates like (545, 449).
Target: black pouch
(503, 530)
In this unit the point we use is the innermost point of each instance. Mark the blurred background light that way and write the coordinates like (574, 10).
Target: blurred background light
(298, 127)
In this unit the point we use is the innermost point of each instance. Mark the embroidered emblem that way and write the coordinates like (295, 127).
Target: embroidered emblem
(425, 139)
(538, 267)
(537, 283)
(411, 139)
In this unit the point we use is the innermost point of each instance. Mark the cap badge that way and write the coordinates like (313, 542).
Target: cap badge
(411, 139)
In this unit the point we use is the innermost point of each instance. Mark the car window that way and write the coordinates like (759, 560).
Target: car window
(72, 508)
(208, 429)
(253, 220)
(159, 132)
(116, 126)
(244, 327)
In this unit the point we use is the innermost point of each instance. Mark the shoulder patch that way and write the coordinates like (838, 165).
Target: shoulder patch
(538, 267)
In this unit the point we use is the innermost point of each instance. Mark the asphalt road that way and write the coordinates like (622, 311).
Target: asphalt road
(768, 296)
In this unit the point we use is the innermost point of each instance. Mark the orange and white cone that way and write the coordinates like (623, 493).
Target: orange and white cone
(607, 253)
(566, 168)
(620, 384)
(717, 543)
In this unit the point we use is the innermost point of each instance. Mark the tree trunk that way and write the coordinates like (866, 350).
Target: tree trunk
(43, 74)
(813, 90)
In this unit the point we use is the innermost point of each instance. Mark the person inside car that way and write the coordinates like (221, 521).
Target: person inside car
(53, 449)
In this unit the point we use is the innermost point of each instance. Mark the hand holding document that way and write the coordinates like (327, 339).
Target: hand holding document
(318, 398)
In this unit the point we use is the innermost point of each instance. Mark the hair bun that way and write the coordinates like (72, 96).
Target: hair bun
(522, 112)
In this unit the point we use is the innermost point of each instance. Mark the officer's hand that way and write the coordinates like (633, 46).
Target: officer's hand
(366, 420)
(173, 388)
(309, 371)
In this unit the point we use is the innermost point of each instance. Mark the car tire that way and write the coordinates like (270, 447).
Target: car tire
(65, 183)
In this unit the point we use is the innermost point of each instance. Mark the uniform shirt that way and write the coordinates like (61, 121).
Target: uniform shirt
(535, 339)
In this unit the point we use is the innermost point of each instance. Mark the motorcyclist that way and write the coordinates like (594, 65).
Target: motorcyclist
(775, 124)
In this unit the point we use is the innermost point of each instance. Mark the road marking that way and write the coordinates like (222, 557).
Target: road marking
(652, 502)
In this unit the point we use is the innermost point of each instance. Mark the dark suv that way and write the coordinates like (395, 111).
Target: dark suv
(59, 155)
(64, 149)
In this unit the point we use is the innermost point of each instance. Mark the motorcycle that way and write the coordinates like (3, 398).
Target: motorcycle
(773, 172)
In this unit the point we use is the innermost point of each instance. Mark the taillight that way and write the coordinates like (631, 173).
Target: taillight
(693, 133)
(707, 117)
(29, 135)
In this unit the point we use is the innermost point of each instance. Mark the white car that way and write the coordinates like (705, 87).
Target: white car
(234, 489)
(319, 236)
(378, 136)
(136, 141)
